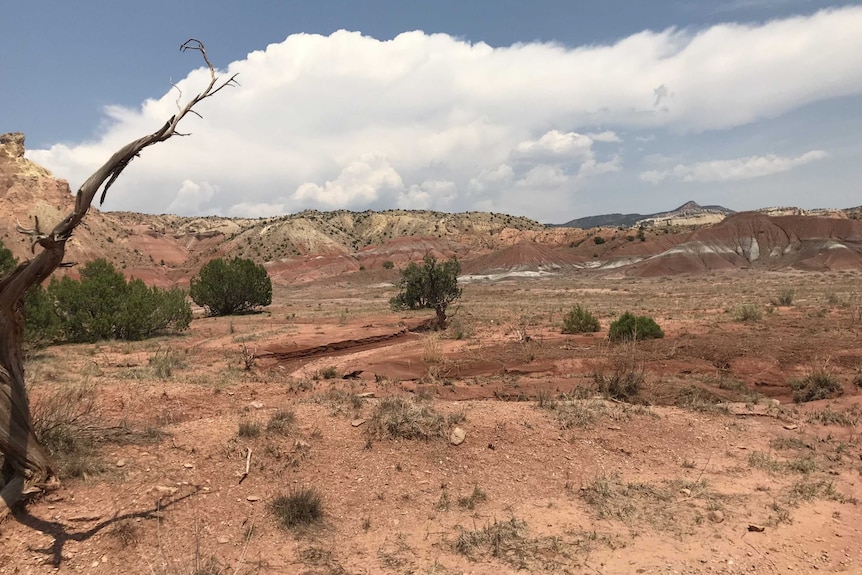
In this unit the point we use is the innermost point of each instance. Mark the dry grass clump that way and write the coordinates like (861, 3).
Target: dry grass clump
(248, 429)
(625, 378)
(281, 422)
(64, 421)
(302, 506)
(820, 383)
(400, 418)
(748, 312)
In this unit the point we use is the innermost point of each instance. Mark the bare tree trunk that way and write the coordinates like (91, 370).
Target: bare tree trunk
(27, 468)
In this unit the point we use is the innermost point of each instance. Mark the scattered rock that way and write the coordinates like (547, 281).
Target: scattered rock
(164, 490)
(121, 463)
(756, 528)
(357, 422)
(223, 540)
(716, 516)
(253, 498)
(685, 491)
(365, 395)
(256, 404)
(188, 465)
(791, 426)
(457, 436)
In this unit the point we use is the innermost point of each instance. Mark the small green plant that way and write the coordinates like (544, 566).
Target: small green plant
(388, 265)
(748, 312)
(329, 372)
(599, 240)
(164, 362)
(302, 506)
(630, 327)
(580, 320)
(624, 380)
(819, 384)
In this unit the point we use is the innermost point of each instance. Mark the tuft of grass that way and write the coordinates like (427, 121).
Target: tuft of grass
(819, 384)
(248, 429)
(470, 501)
(302, 506)
(432, 352)
(580, 320)
(64, 422)
(328, 372)
(748, 312)
(785, 298)
(847, 418)
(400, 418)
(281, 422)
(625, 379)
(164, 362)
(499, 538)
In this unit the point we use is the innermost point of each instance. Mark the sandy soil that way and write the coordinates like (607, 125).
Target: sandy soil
(710, 468)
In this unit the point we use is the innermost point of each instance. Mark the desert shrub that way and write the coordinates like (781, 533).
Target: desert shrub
(388, 265)
(748, 312)
(625, 378)
(819, 384)
(630, 328)
(230, 287)
(8, 262)
(103, 305)
(598, 240)
(281, 422)
(302, 506)
(580, 320)
(785, 298)
(400, 418)
(248, 429)
(432, 285)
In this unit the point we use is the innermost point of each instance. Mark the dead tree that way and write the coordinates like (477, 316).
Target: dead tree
(27, 467)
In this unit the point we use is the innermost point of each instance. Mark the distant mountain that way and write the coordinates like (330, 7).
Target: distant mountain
(690, 213)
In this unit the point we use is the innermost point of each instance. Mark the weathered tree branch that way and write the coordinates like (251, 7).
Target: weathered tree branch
(27, 467)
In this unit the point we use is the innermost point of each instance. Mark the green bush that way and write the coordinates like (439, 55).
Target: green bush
(598, 240)
(580, 320)
(102, 305)
(230, 287)
(302, 506)
(432, 285)
(388, 265)
(630, 327)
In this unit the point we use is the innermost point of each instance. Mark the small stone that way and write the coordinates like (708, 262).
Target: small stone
(222, 540)
(685, 491)
(253, 498)
(457, 436)
(716, 516)
(121, 463)
(365, 395)
(357, 422)
(256, 404)
(756, 528)
(188, 465)
(791, 426)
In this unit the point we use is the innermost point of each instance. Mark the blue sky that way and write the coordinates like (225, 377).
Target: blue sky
(549, 109)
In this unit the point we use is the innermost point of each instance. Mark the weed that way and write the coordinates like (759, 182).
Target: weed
(443, 502)
(400, 418)
(499, 537)
(302, 506)
(785, 298)
(164, 362)
(470, 501)
(580, 320)
(125, 532)
(329, 372)
(626, 379)
(248, 429)
(748, 312)
(820, 383)
(432, 353)
(281, 422)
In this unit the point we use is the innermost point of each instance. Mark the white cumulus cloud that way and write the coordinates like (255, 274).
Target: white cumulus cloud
(731, 170)
(349, 121)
